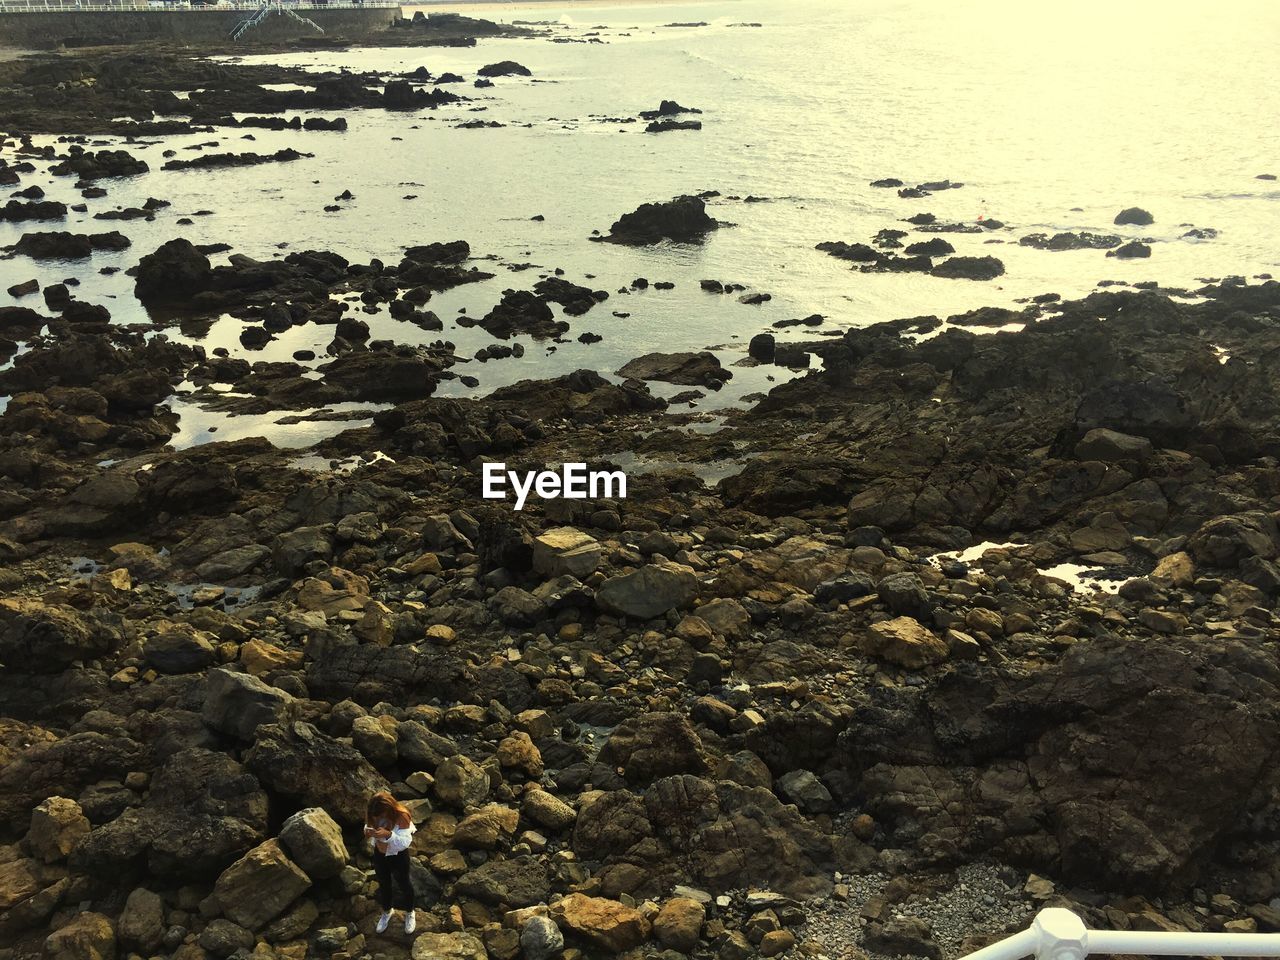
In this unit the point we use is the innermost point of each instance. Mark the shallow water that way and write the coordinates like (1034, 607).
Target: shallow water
(1037, 109)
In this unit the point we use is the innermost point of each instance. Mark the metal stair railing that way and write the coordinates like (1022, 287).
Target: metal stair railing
(1059, 934)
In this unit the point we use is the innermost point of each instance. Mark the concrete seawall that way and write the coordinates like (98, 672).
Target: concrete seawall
(45, 30)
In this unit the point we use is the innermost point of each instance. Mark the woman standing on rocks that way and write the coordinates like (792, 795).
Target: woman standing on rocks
(389, 824)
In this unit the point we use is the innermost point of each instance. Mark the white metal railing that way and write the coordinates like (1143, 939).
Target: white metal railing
(116, 6)
(1058, 934)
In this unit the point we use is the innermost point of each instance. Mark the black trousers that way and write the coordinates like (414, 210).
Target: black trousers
(389, 870)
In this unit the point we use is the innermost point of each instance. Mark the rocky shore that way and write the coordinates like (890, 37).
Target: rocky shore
(849, 701)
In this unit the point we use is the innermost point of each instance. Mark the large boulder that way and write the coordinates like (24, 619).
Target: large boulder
(179, 650)
(315, 769)
(203, 811)
(314, 841)
(648, 592)
(654, 745)
(904, 641)
(172, 275)
(1134, 216)
(238, 703)
(604, 924)
(259, 886)
(683, 219)
(36, 637)
(1228, 541)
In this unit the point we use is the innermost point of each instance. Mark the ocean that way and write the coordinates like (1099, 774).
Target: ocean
(1053, 117)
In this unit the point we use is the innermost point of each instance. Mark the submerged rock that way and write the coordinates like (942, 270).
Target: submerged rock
(683, 219)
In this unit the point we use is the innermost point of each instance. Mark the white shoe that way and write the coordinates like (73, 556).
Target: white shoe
(383, 921)
(411, 921)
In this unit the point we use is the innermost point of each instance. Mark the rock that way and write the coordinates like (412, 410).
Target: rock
(486, 828)
(904, 593)
(1227, 541)
(221, 938)
(174, 273)
(547, 810)
(301, 762)
(605, 924)
(1134, 216)
(517, 752)
(565, 551)
(260, 886)
(19, 879)
(902, 936)
(141, 927)
(375, 737)
(314, 842)
(237, 703)
(449, 946)
(179, 650)
(649, 591)
(726, 616)
(678, 925)
(776, 942)
(1134, 249)
(762, 347)
(520, 882)
(1177, 568)
(690, 369)
(60, 245)
(683, 219)
(969, 268)
(461, 782)
(504, 68)
(47, 638)
(57, 827)
(905, 642)
(805, 790)
(541, 939)
(86, 936)
(654, 745)
(1110, 446)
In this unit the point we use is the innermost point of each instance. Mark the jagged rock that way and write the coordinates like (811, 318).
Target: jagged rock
(1229, 540)
(260, 886)
(173, 274)
(58, 825)
(45, 638)
(504, 68)
(1110, 446)
(314, 842)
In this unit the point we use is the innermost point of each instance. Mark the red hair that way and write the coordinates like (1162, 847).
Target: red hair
(383, 804)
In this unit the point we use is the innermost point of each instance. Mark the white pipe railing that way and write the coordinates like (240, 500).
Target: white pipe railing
(1058, 934)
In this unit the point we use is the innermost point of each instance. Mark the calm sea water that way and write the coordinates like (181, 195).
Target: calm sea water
(1054, 116)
